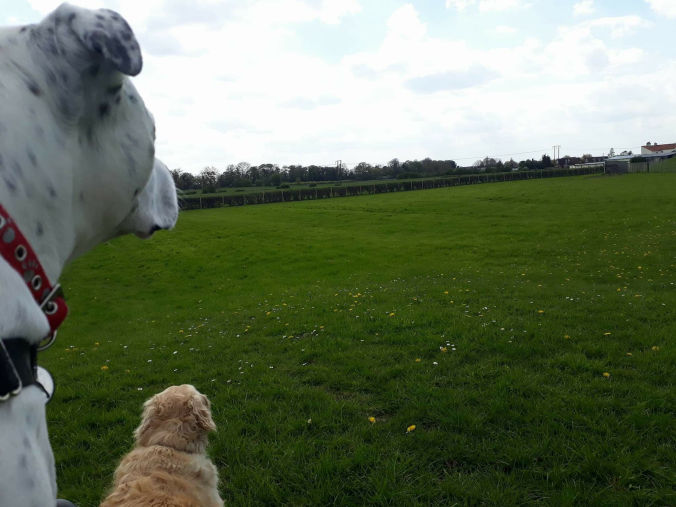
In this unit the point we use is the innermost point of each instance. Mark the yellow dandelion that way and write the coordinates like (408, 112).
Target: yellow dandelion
(606, 374)
(443, 349)
(410, 428)
(541, 311)
(567, 337)
(417, 359)
(372, 420)
(607, 333)
(96, 343)
(446, 292)
(629, 353)
(180, 330)
(392, 314)
(104, 367)
(655, 348)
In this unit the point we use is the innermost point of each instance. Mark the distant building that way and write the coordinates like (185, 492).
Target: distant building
(639, 163)
(658, 149)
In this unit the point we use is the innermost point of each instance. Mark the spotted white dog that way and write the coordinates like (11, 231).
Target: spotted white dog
(77, 167)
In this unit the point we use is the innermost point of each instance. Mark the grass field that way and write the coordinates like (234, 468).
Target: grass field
(526, 329)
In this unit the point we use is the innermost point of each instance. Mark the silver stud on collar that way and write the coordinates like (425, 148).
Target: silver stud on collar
(36, 282)
(20, 253)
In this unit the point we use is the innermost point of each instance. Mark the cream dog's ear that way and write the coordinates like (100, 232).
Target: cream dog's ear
(202, 410)
(148, 422)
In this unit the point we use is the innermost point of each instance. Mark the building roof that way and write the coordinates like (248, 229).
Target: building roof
(660, 147)
(644, 156)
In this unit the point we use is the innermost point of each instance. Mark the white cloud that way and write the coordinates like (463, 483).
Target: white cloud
(584, 8)
(505, 30)
(487, 5)
(500, 5)
(665, 8)
(461, 5)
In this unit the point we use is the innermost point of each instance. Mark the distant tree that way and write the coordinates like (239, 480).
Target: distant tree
(546, 161)
(187, 181)
(363, 170)
(175, 175)
(208, 179)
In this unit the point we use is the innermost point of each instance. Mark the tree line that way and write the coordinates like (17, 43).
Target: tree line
(247, 175)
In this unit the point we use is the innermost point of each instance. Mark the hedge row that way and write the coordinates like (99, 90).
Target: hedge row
(195, 202)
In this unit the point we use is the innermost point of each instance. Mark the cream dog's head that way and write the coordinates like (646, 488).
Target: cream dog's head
(179, 417)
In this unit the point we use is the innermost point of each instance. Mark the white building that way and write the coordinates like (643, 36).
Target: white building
(658, 149)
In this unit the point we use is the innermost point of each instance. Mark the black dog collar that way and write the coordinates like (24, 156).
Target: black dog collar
(18, 366)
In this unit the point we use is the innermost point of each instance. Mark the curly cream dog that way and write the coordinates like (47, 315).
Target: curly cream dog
(168, 466)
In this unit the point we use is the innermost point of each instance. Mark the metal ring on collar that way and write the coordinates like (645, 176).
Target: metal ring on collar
(20, 252)
(47, 342)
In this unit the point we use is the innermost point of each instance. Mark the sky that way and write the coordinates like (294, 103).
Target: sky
(316, 81)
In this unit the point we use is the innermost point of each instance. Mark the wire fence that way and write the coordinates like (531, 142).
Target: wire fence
(355, 189)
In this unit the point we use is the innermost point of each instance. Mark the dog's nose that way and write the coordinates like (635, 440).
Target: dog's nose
(156, 228)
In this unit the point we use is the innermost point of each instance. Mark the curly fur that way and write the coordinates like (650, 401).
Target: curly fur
(168, 466)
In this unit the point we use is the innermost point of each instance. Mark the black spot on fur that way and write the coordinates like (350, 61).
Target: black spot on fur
(16, 167)
(52, 191)
(112, 90)
(10, 184)
(23, 29)
(137, 191)
(71, 18)
(39, 229)
(100, 17)
(104, 109)
(33, 87)
(132, 98)
(32, 157)
(94, 70)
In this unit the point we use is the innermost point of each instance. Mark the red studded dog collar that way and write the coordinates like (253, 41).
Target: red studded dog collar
(18, 253)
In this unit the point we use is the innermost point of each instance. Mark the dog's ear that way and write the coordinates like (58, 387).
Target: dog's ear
(103, 34)
(202, 409)
(148, 422)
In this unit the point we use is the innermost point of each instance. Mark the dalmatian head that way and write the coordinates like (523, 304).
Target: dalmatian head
(79, 165)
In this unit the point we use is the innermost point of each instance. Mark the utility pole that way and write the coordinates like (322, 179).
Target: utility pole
(556, 148)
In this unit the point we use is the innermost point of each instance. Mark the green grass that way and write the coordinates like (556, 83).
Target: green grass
(320, 310)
